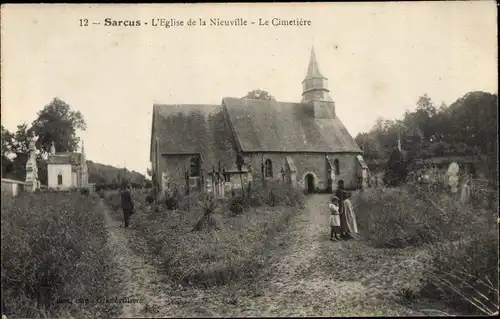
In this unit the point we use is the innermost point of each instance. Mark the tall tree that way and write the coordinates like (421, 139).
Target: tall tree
(57, 123)
(259, 95)
(16, 144)
(7, 140)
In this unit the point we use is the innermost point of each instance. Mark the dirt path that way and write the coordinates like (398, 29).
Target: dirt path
(308, 276)
(143, 289)
(297, 286)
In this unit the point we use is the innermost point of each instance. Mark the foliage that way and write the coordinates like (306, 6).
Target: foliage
(110, 177)
(53, 246)
(259, 95)
(150, 199)
(396, 169)
(57, 123)
(15, 150)
(237, 204)
(172, 199)
(272, 193)
(207, 221)
(462, 241)
(466, 127)
(234, 252)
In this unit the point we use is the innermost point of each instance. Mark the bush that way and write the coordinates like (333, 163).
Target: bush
(235, 251)
(396, 169)
(464, 273)
(237, 204)
(150, 199)
(275, 193)
(53, 246)
(172, 199)
(461, 240)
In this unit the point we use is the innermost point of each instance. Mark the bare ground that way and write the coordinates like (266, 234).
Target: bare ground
(308, 275)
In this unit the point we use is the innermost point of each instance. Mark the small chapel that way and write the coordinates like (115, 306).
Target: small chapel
(302, 143)
(67, 170)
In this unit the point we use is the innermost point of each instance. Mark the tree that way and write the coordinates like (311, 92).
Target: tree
(259, 95)
(57, 123)
(7, 139)
(7, 163)
(16, 144)
(396, 169)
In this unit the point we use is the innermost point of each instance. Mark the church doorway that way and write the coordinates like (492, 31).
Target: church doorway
(309, 182)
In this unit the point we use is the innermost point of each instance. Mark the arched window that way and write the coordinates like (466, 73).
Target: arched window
(268, 168)
(59, 179)
(336, 166)
(195, 166)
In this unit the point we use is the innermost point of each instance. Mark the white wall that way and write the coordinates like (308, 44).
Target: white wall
(65, 170)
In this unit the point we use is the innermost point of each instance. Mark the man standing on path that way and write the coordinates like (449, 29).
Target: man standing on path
(127, 204)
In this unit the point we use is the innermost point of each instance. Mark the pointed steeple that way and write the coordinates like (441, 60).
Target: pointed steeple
(313, 69)
(83, 148)
(315, 85)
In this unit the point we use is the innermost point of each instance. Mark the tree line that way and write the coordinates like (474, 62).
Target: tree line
(57, 123)
(468, 127)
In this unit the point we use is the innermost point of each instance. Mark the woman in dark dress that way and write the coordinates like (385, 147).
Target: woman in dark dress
(342, 194)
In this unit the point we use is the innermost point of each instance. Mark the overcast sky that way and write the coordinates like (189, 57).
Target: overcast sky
(379, 58)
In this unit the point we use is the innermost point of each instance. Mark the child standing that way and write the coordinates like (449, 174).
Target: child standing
(334, 218)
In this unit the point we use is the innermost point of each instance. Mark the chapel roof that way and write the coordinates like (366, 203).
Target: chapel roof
(65, 158)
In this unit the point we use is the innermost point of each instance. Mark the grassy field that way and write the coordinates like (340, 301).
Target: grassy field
(53, 252)
(233, 251)
(460, 240)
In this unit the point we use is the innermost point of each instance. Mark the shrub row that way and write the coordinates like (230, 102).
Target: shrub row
(270, 194)
(462, 241)
(208, 258)
(53, 248)
(235, 250)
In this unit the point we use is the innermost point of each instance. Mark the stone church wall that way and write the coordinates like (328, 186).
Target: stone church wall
(174, 166)
(315, 163)
(350, 170)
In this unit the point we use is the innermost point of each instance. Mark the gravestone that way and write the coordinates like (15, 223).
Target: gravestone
(452, 173)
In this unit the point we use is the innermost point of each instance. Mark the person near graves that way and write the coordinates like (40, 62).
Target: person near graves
(127, 204)
(334, 218)
(342, 195)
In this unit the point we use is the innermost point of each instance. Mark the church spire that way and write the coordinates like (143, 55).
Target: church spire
(313, 69)
(315, 91)
(83, 148)
(315, 85)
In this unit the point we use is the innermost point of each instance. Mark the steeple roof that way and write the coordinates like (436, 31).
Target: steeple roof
(313, 69)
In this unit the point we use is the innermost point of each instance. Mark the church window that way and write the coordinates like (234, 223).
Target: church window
(336, 167)
(195, 166)
(59, 179)
(268, 169)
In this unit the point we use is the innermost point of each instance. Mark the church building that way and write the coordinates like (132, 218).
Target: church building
(304, 144)
(67, 170)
